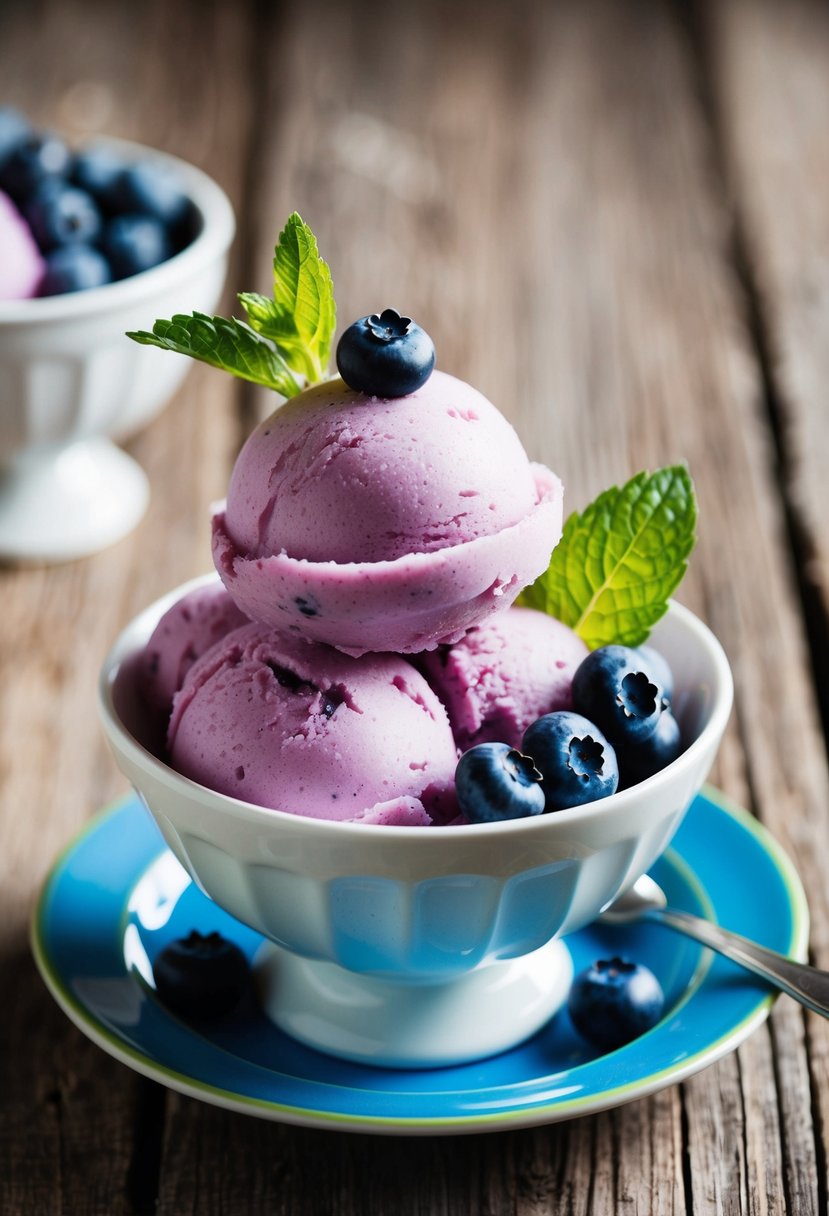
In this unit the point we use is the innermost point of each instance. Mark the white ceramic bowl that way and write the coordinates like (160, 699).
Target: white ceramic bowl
(399, 906)
(70, 381)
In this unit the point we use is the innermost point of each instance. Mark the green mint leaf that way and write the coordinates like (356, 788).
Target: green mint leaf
(619, 561)
(225, 343)
(302, 315)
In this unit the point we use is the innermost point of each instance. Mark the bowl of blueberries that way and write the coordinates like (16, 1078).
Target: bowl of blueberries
(92, 238)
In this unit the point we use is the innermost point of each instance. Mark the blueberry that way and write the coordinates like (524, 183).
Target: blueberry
(149, 188)
(14, 129)
(641, 760)
(32, 162)
(134, 243)
(657, 664)
(74, 268)
(386, 355)
(494, 782)
(98, 171)
(617, 690)
(186, 229)
(63, 215)
(614, 1001)
(201, 976)
(576, 761)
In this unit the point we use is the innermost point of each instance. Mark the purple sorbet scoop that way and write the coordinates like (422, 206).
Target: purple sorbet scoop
(504, 674)
(298, 727)
(384, 524)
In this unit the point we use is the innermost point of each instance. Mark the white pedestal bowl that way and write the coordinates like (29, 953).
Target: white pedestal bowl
(419, 946)
(71, 382)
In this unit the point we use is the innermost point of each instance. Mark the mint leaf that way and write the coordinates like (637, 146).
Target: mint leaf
(618, 562)
(302, 315)
(225, 343)
(284, 337)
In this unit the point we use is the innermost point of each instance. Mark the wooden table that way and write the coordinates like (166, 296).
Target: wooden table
(614, 218)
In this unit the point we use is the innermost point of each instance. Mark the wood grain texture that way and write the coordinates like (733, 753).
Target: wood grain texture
(553, 192)
(71, 1122)
(770, 90)
(771, 86)
(581, 275)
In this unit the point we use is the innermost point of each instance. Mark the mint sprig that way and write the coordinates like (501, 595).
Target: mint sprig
(225, 343)
(301, 317)
(285, 342)
(619, 560)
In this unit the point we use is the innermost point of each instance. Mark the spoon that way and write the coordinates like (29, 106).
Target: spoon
(646, 900)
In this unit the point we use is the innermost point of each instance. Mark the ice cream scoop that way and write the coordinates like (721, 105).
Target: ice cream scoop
(384, 524)
(21, 266)
(299, 727)
(196, 622)
(504, 674)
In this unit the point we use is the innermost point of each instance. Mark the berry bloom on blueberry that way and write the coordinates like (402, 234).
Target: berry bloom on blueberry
(614, 688)
(385, 355)
(201, 976)
(576, 760)
(661, 747)
(614, 1001)
(495, 781)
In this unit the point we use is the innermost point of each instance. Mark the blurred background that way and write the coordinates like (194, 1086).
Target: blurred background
(612, 217)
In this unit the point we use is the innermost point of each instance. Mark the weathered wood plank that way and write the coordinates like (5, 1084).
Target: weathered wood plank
(69, 1118)
(537, 187)
(771, 87)
(770, 91)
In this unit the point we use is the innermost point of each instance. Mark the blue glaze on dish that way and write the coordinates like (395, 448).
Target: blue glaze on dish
(116, 897)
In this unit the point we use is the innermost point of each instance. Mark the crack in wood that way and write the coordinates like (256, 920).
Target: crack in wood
(144, 1171)
(813, 614)
(801, 549)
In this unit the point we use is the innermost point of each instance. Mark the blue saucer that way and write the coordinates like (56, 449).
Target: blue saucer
(116, 896)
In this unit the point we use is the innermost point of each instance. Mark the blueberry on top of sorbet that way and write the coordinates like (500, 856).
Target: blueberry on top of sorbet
(385, 355)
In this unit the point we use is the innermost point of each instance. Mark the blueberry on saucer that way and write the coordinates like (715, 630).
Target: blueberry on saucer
(614, 1001)
(201, 976)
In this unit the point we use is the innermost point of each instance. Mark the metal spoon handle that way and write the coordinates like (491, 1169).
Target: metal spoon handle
(806, 984)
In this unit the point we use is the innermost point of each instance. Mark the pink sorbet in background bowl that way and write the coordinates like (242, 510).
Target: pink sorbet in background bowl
(21, 263)
(71, 383)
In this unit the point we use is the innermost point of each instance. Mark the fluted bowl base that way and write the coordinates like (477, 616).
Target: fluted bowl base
(391, 1024)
